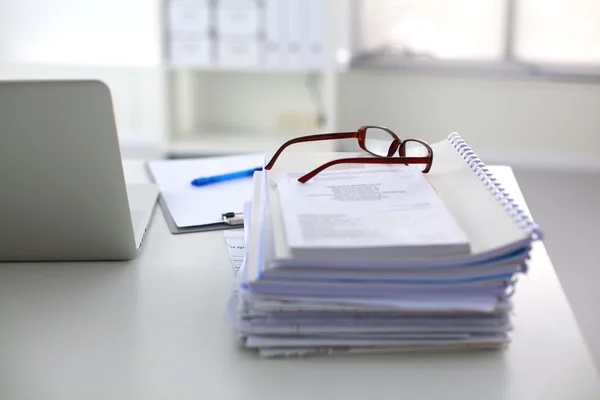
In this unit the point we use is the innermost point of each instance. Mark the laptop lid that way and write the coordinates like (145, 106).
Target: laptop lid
(63, 191)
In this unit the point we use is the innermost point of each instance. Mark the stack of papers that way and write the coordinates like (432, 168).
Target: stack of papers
(380, 259)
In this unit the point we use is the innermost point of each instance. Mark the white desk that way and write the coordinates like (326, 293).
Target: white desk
(152, 329)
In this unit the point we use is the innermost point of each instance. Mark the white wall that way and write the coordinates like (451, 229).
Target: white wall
(107, 32)
(518, 121)
(116, 41)
(134, 92)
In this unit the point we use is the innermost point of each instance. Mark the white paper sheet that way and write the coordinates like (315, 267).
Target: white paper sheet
(237, 248)
(230, 315)
(387, 206)
(282, 341)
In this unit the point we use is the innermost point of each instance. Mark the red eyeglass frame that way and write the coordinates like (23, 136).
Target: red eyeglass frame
(427, 160)
(360, 134)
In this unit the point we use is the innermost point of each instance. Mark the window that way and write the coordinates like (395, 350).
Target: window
(460, 29)
(558, 31)
(523, 31)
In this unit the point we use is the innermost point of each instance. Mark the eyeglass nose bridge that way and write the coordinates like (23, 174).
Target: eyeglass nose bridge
(396, 144)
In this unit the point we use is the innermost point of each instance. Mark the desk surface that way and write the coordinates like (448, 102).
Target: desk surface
(153, 329)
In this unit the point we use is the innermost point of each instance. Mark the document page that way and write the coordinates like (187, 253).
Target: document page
(365, 207)
(236, 244)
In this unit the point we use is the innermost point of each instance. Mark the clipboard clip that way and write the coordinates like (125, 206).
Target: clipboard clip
(233, 218)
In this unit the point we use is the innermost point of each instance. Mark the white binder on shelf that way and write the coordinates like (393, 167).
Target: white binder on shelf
(189, 15)
(273, 33)
(295, 10)
(190, 49)
(237, 27)
(238, 18)
(314, 43)
(189, 40)
(238, 52)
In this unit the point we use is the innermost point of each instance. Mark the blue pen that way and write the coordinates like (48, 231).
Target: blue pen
(209, 180)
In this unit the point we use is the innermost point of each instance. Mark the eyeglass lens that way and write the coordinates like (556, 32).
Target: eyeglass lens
(413, 148)
(378, 141)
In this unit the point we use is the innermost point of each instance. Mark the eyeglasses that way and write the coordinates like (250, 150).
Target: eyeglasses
(376, 140)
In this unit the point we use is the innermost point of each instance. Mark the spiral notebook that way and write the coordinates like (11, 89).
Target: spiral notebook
(497, 228)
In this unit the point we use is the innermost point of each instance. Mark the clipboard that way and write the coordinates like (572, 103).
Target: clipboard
(226, 224)
(189, 209)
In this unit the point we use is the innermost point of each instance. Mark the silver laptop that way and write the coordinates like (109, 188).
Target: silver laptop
(62, 191)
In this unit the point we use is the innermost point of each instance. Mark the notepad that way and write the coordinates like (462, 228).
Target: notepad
(369, 213)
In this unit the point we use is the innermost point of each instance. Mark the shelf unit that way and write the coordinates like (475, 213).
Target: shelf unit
(162, 108)
(214, 110)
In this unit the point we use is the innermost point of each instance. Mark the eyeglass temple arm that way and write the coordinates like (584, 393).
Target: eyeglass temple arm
(398, 160)
(310, 138)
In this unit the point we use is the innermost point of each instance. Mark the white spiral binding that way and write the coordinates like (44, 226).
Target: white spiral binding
(492, 184)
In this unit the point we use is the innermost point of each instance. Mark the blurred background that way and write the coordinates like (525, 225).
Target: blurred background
(518, 79)
(514, 77)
